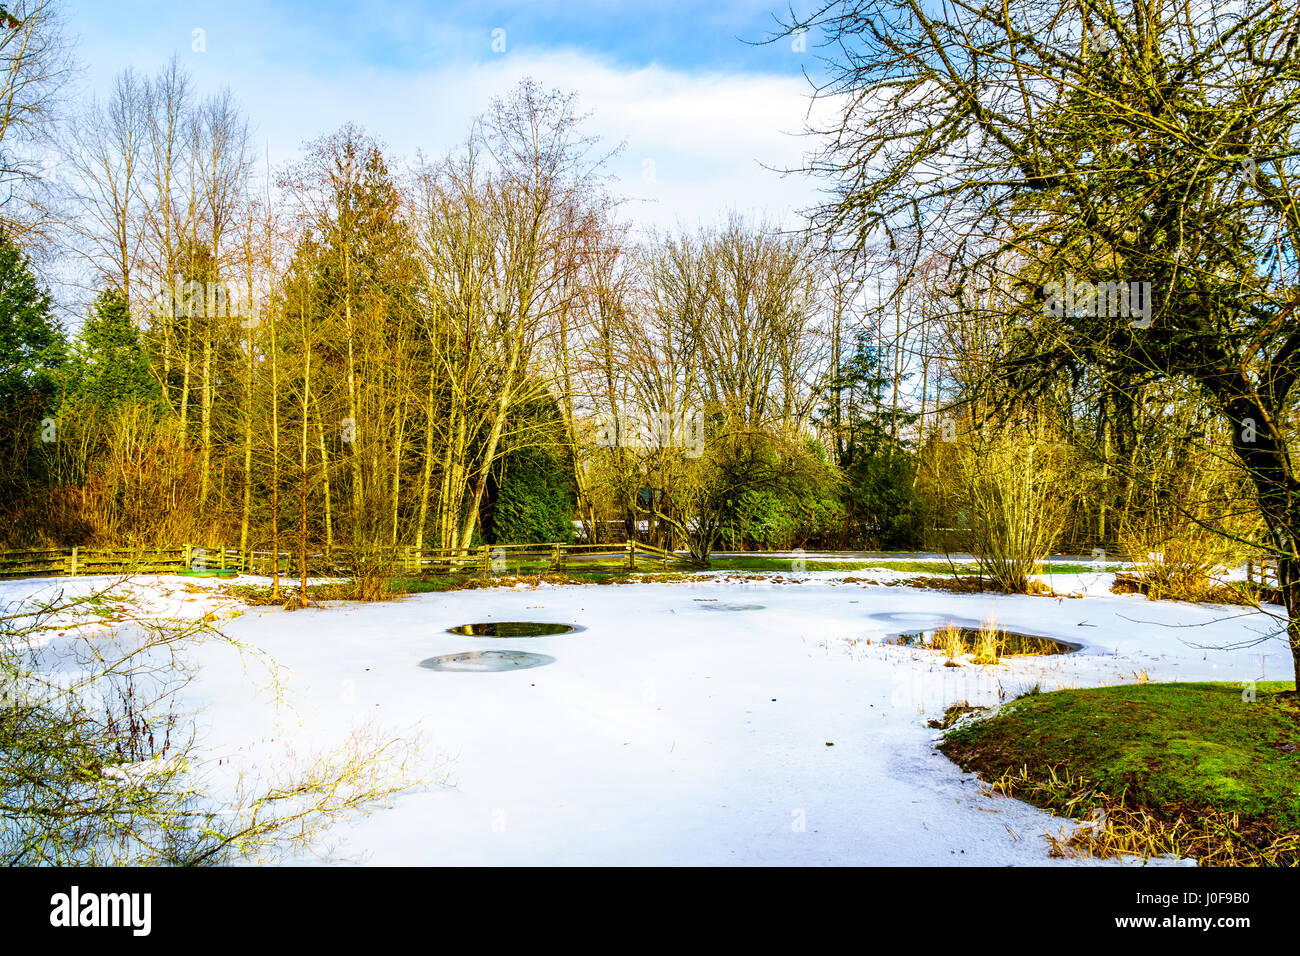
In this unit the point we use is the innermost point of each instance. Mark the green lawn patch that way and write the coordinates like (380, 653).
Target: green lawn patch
(759, 563)
(427, 583)
(911, 566)
(767, 563)
(1209, 770)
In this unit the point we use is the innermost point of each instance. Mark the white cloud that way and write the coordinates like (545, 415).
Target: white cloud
(707, 135)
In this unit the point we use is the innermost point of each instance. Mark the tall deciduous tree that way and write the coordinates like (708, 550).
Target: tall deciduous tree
(1144, 152)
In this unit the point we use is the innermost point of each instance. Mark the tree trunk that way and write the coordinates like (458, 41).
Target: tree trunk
(248, 456)
(305, 468)
(398, 437)
(325, 477)
(1288, 573)
(426, 475)
(489, 456)
(275, 464)
(206, 413)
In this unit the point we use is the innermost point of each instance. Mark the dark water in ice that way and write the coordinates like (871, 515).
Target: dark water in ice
(512, 629)
(1009, 642)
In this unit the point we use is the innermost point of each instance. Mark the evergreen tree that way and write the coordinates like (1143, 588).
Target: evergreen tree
(109, 368)
(32, 346)
(874, 451)
(535, 499)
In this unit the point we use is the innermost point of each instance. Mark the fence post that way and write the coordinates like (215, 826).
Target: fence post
(185, 564)
(485, 559)
(631, 556)
(559, 556)
(72, 562)
(222, 563)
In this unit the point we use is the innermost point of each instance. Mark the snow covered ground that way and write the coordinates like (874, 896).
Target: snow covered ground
(683, 725)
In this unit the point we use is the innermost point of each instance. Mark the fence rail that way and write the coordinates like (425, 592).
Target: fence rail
(484, 559)
(1264, 572)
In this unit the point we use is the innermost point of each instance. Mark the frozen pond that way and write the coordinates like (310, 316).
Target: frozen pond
(660, 735)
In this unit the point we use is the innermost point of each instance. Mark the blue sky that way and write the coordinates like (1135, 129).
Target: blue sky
(700, 110)
(417, 33)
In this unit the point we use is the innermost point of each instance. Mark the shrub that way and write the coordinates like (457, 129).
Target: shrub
(789, 498)
(99, 766)
(884, 502)
(534, 500)
(1190, 528)
(1011, 488)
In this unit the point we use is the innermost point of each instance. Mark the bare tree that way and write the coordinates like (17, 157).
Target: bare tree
(106, 149)
(1030, 145)
(34, 66)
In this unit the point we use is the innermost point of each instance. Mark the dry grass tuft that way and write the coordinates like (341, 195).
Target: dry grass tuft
(1110, 828)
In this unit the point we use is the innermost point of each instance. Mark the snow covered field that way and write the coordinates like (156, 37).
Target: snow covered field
(674, 729)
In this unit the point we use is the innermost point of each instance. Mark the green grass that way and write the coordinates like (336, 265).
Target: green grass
(767, 563)
(1164, 748)
(1048, 567)
(428, 583)
(424, 585)
(758, 563)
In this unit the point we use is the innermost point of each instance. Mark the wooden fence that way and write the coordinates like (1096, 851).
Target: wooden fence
(1263, 572)
(485, 559)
